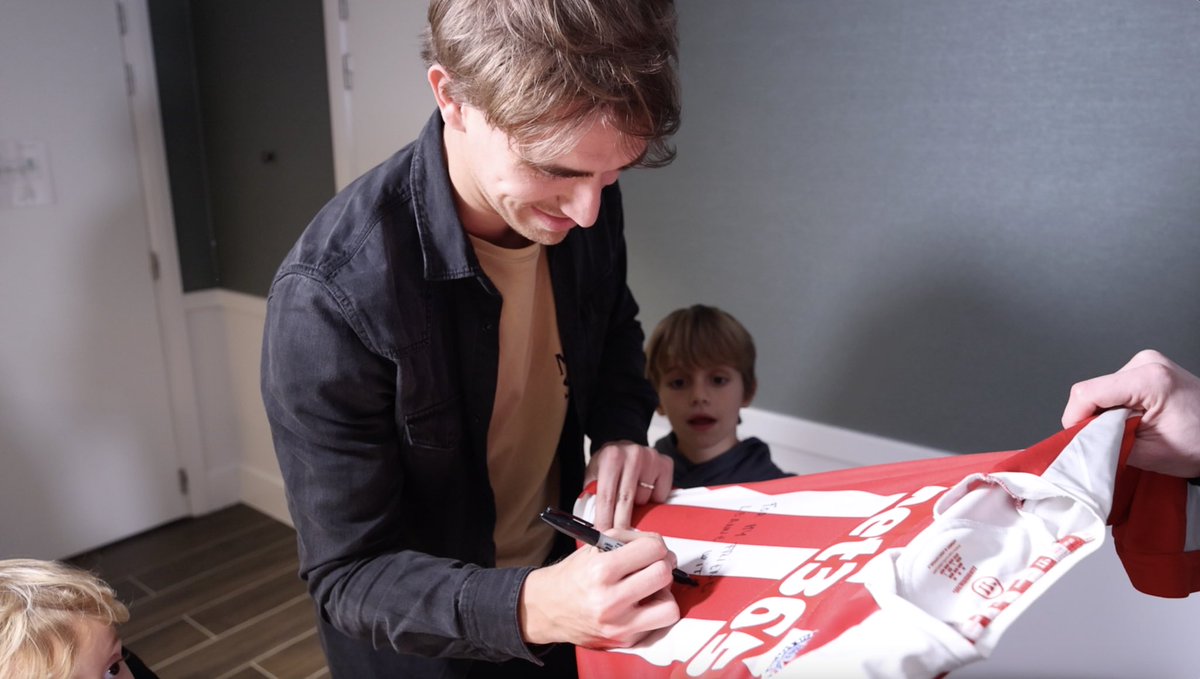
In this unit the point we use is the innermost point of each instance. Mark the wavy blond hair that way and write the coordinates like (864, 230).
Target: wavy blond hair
(543, 71)
(41, 606)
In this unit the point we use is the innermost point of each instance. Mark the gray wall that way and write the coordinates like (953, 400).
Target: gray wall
(933, 215)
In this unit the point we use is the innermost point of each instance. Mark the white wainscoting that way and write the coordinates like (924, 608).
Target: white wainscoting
(805, 447)
(1090, 624)
(226, 337)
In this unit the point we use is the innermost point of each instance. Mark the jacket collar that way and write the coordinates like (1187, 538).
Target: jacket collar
(445, 249)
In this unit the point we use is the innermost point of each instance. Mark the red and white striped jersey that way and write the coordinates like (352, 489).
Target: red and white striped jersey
(908, 569)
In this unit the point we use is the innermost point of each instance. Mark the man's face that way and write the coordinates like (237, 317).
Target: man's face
(702, 405)
(99, 653)
(508, 200)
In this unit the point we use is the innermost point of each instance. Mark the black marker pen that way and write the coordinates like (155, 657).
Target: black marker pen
(581, 530)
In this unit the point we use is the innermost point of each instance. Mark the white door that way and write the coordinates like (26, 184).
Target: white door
(378, 46)
(87, 452)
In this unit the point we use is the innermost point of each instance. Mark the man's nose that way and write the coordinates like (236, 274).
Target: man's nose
(583, 204)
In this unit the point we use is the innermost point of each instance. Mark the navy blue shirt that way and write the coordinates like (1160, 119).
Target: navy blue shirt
(378, 374)
(747, 461)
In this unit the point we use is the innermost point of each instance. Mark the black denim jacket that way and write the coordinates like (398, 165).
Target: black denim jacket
(378, 374)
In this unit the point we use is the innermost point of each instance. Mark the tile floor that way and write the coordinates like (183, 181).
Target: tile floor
(215, 597)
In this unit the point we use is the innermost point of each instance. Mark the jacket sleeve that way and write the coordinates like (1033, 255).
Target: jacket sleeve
(330, 400)
(623, 400)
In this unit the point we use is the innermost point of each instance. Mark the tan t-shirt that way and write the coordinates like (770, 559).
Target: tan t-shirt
(531, 402)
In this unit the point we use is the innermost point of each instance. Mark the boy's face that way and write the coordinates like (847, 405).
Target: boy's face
(508, 200)
(702, 405)
(99, 654)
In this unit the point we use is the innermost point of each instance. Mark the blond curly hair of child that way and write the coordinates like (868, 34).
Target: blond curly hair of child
(42, 607)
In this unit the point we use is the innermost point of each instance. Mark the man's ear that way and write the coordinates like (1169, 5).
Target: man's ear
(451, 109)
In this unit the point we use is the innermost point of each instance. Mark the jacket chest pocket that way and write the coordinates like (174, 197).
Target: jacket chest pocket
(428, 404)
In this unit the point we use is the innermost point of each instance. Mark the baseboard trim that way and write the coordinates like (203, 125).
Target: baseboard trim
(265, 493)
(223, 487)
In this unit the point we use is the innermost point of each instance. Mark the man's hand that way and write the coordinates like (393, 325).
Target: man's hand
(626, 474)
(1168, 440)
(601, 599)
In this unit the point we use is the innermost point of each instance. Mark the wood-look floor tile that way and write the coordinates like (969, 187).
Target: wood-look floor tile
(222, 615)
(165, 543)
(230, 579)
(128, 591)
(165, 642)
(243, 644)
(296, 661)
(235, 570)
(247, 673)
(214, 554)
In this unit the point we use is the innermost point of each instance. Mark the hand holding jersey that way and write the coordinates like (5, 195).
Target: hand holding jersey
(626, 475)
(1168, 440)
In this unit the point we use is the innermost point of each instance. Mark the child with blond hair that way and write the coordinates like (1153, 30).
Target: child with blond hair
(60, 622)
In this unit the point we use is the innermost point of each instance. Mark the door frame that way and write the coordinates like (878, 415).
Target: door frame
(338, 66)
(146, 119)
